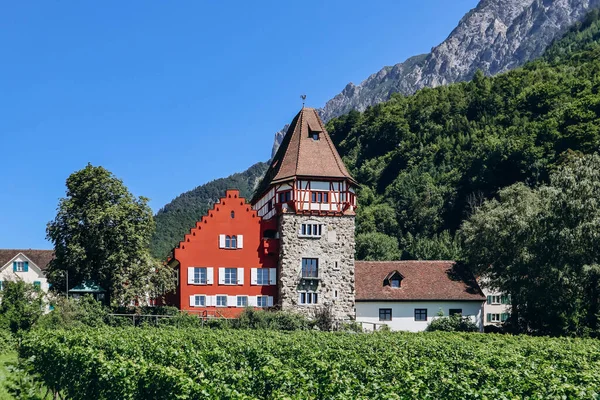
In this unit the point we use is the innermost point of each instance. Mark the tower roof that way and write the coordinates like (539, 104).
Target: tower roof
(300, 155)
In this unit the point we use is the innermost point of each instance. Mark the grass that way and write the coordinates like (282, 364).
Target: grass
(5, 360)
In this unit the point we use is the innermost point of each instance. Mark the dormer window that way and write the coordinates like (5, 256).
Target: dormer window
(393, 280)
(315, 135)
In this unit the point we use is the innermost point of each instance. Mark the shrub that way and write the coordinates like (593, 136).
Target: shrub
(453, 323)
(21, 307)
(68, 313)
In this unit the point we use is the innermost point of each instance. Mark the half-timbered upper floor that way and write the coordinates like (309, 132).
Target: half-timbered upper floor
(307, 175)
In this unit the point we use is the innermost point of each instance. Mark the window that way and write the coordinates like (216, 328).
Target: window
(284, 197)
(199, 301)
(37, 284)
(385, 314)
(227, 242)
(242, 301)
(314, 135)
(420, 314)
(455, 311)
(234, 242)
(221, 301)
(262, 301)
(494, 299)
(262, 276)
(200, 276)
(231, 276)
(493, 318)
(310, 267)
(308, 298)
(269, 206)
(395, 283)
(233, 214)
(314, 230)
(320, 197)
(20, 266)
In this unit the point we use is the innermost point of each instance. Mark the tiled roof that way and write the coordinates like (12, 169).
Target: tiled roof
(301, 156)
(41, 258)
(423, 280)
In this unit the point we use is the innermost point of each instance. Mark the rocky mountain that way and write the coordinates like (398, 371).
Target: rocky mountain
(494, 37)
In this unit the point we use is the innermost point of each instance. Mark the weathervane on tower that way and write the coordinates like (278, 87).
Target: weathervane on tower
(303, 97)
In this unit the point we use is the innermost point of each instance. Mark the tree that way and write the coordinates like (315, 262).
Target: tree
(542, 247)
(101, 233)
(22, 305)
(376, 246)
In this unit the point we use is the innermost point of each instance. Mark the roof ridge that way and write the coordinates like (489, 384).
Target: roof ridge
(301, 119)
(330, 144)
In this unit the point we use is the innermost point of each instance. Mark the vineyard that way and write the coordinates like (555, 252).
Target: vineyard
(128, 363)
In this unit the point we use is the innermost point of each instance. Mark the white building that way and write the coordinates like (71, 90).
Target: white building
(27, 265)
(496, 309)
(407, 295)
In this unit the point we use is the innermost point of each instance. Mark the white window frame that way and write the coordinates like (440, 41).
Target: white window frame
(494, 317)
(20, 266)
(217, 300)
(306, 298)
(311, 229)
(237, 301)
(496, 299)
(199, 270)
(261, 274)
(262, 299)
(197, 297)
(233, 280)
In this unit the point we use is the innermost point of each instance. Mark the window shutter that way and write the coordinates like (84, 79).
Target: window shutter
(503, 317)
(252, 301)
(488, 317)
(231, 301)
(270, 301)
(192, 301)
(222, 241)
(14, 266)
(209, 275)
(489, 300)
(503, 299)
(209, 301)
(240, 276)
(190, 275)
(508, 299)
(273, 276)
(240, 241)
(253, 276)
(221, 276)
(25, 266)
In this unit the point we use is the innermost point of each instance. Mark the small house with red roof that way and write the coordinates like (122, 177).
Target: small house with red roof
(407, 295)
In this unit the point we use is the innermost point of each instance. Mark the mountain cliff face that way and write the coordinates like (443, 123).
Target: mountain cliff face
(496, 36)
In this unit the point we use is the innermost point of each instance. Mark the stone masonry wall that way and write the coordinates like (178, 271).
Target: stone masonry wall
(335, 252)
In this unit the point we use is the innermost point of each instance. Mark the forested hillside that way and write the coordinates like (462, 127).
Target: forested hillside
(426, 160)
(176, 218)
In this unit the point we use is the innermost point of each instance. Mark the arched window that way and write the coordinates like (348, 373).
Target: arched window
(228, 242)
(233, 214)
(234, 242)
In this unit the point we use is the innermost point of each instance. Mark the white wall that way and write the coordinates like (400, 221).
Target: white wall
(492, 308)
(403, 313)
(32, 275)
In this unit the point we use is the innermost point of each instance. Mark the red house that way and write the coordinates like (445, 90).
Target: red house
(228, 261)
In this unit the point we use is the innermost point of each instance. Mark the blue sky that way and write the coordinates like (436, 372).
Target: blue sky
(170, 95)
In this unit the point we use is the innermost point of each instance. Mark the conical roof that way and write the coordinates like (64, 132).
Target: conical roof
(301, 156)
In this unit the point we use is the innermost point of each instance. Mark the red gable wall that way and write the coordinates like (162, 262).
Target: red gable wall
(200, 248)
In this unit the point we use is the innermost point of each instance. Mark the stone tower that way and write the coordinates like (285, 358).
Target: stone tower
(308, 191)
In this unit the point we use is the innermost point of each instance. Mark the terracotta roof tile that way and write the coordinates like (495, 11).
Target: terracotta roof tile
(41, 258)
(423, 280)
(301, 156)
